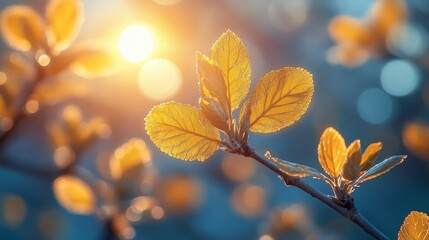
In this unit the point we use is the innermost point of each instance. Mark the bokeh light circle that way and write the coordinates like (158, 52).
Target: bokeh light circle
(160, 79)
(399, 78)
(375, 106)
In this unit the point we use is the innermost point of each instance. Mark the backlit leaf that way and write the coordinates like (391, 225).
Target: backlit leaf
(370, 155)
(279, 99)
(332, 152)
(295, 169)
(214, 112)
(230, 54)
(244, 120)
(352, 167)
(415, 227)
(386, 15)
(64, 18)
(22, 28)
(93, 63)
(380, 168)
(347, 29)
(74, 194)
(181, 131)
(132, 154)
(212, 83)
(359, 39)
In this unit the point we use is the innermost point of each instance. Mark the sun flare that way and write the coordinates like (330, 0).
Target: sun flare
(136, 43)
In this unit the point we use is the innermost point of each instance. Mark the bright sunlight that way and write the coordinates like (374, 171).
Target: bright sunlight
(136, 43)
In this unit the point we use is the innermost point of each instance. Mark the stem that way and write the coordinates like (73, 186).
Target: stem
(42, 174)
(107, 231)
(21, 113)
(351, 213)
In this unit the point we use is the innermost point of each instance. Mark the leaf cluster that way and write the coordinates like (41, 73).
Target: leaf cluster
(48, 40)
(361, 38)
(279, 99)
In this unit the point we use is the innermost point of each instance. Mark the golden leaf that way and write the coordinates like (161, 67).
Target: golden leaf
(332, 152)
(181, 131)
(295, 169)
(415, 227)
(347, 29)
(385, 15)
(22, 28)
(359, 39)
(212, 83)
(74, 194)
(229, 53)
(244, 120)
(352, 167)
(380, 168)
(131, 155)
(279, 99)
(93, 63)
(64, 18)
(370, 155)
(214, 112)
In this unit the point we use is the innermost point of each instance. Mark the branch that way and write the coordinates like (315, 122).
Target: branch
(350, 213)
(42, 174)
(107, 231)
(21, 113)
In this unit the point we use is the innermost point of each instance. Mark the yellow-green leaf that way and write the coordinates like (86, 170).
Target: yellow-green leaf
(332, 152)
(370, 155)
(279, 99)
(415, 227)
(181, 131)
(22, 28)
(229, 53)
(295, 169)
(380, 168)
(352, 167)
(212, 83)
(74, 194)
(64, 18)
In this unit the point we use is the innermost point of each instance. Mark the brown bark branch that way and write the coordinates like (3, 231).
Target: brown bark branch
(350, 213)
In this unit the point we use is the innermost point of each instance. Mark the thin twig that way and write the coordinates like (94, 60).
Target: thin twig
(21, 112)
(351, 213)
(39, 173)
(108, 233)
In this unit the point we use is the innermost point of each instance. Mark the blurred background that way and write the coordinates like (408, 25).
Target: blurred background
(374, 89)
